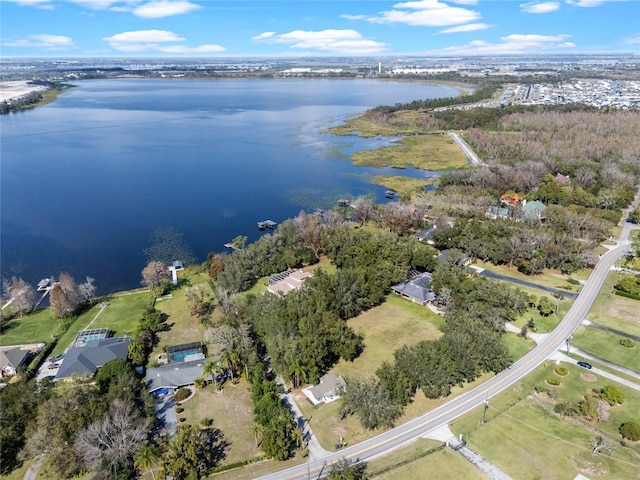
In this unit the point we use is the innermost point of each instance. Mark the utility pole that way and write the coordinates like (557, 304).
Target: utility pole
(486, 406)
(568, 343)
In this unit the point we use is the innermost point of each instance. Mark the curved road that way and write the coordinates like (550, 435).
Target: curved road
(459, 406)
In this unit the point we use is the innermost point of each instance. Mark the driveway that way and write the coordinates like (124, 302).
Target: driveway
(165, 411)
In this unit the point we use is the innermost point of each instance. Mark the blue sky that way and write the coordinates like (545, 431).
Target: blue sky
(267, 28)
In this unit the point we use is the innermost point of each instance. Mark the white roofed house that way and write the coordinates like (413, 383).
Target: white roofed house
(326, 390)
(284, 282)
(417, 289)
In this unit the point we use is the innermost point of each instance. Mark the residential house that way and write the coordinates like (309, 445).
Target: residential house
(174, 375)
(562, 179)
(532, 210)
(496, 213)
(426, 235)
(12, 358)
(85, 358)
(416, 289)
(327, 390)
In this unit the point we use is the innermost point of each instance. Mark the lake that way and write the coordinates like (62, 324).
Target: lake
(87, 179)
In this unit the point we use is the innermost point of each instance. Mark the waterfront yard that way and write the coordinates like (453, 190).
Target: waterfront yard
(36, 327)
(540, 443)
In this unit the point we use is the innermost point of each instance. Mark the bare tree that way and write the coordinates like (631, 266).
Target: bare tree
(197, 300)
(65, 296)
(364, 209)
(88, 290)
(309, 231)
(20, 295)
(109, 444)
(155, 275)
(601, 444)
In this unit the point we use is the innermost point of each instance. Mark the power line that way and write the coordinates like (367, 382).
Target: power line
(636, 465)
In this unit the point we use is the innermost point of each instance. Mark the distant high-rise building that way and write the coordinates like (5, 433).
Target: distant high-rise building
(379, 67)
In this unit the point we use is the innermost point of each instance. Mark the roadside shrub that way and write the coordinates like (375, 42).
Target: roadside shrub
(566, 409)
(553, 381)
(627, 342)
(206, 422)
(542, 389)
(573, 281)
(630, 431)
(561, 371)
(179, 409)
(181, 394)
(182, 419)
(612, 395)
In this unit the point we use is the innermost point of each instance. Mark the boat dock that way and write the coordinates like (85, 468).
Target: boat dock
(270, 224)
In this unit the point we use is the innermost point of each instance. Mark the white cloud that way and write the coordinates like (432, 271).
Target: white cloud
(32, 3)
(588, 3)
(465, 2)
(156, 40)
(45, 41)
(346, 42)
(164, 8)
(426, 13)
(102, 4)
(633, 40)
(469, 27)
(539, 7)
(511, 45)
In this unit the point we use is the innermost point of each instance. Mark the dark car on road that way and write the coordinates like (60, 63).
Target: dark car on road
(585, 365)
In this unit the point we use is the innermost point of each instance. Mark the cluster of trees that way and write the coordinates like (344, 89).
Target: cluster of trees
(629, 284)
(272, 419)
(78, 428)
(145, 336)
(20, 295)
(476, 311)
(16, 104)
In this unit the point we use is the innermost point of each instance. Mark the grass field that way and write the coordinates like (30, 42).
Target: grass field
(551, 279)
(36, 327)
(405, 186)
(606, 345)
(540, 444)
(517, 345)
(614, 311)
(411, 462)
(121, 315)
(232, 412)
(427, 152)
(363, 127)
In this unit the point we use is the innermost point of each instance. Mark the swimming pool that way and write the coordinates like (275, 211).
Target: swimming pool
(180, 356)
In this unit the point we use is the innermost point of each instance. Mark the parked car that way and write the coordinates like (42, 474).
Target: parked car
(56, 358)
(585, 365)
(53, 365)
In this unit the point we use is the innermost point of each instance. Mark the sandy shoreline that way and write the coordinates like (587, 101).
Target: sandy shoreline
(17, 89)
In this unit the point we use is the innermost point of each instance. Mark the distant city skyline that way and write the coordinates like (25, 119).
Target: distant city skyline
(266, 28)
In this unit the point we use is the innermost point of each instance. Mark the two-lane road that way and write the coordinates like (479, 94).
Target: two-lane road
(464, 403)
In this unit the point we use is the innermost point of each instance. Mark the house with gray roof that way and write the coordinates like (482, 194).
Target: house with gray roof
(11, 358)
(327, 390)
(416, 289)
(86, 358)
(174, 375)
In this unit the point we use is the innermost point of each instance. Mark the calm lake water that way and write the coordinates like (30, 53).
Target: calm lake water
(87, 179)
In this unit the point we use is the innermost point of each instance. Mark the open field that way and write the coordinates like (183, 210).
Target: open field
(543, 445)
(364, 127)
(232, 412)
(427, 152)
(543, 324)
(385, 328)
(411, 462)
(606, 345)
(614, 311)
(551, 279)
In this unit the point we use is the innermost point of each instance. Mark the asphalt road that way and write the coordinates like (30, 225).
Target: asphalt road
(457, 407)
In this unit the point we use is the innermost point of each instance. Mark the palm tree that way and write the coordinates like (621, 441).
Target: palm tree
(146, 457)
(257, 430)
(230, 358)
(296, 372)
(212, 369)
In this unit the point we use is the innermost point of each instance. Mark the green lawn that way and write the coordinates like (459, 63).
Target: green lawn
(517, 345)
(232, 412)
(411, 462)
(540, 444)
(606, 345)
(121, 315)
(36, 327)
(614, 311)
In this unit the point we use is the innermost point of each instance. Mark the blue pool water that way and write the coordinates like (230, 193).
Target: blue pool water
(180, 356)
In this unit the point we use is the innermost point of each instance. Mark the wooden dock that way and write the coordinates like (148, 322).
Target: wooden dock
(270, 224)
